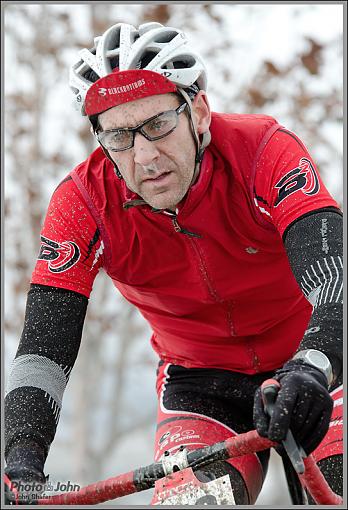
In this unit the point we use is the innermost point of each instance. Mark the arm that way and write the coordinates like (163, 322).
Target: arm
(299, 206)
(69, 259)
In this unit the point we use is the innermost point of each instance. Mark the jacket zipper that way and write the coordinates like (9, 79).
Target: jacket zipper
(192, 235)
(177, 227)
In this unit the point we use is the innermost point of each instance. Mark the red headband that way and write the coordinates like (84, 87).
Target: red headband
(123, 86)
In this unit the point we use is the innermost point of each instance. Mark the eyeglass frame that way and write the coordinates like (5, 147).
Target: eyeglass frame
(137, 128)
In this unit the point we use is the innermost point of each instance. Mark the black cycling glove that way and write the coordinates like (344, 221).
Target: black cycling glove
(24, 477)
(303, 405)
(23, 486)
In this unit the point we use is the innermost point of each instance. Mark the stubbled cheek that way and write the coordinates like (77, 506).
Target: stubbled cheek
(125, 167)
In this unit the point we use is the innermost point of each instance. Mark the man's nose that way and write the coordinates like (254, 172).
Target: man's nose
(145, 152)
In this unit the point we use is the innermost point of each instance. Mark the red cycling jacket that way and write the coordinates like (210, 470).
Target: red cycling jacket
(226, 299)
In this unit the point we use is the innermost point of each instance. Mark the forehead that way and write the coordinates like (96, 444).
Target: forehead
(134, 112)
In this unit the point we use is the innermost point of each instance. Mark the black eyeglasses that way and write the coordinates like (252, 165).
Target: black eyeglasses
(152, 129)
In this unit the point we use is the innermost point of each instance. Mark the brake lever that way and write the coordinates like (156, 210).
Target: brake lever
(296, 454)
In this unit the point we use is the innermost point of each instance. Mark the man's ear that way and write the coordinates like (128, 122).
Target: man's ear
(201, 112)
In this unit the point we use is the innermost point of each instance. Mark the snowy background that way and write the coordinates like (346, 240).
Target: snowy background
(283, 60)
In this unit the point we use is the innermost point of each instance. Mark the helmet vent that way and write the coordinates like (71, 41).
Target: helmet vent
(90, 75)
(184, 62)
(114, 62)
(146, 59)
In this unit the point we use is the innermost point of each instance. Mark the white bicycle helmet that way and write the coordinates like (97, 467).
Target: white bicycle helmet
(152, 47)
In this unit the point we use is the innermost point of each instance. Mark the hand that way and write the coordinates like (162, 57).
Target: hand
(303, 405)
(23, 486)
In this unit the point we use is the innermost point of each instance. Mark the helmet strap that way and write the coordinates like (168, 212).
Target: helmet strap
(106, 152)
(117, 172)
(200, 144)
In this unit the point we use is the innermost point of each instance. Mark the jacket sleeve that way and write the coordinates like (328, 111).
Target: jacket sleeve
(287, 184)
(72, 249)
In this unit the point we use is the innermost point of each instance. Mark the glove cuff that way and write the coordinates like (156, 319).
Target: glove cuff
(299, 365)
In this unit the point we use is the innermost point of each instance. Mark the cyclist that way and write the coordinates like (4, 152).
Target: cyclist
(219, 229)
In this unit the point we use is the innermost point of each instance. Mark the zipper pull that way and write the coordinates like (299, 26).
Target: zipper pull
(177, 228)
(173, 216)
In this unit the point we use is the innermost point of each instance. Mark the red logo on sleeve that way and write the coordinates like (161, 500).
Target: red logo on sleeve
(60, 256)
(303, 178)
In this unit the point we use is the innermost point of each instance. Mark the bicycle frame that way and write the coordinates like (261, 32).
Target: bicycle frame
(145, 477)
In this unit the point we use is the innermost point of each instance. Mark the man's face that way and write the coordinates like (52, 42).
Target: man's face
(160, 171)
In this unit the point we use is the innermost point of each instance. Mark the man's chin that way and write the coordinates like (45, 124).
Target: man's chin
(160, 203)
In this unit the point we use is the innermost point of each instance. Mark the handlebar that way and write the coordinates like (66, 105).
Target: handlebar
(145, 477)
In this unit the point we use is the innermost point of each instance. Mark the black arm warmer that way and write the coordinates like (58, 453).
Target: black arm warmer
(314, 244)
(46, 354)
